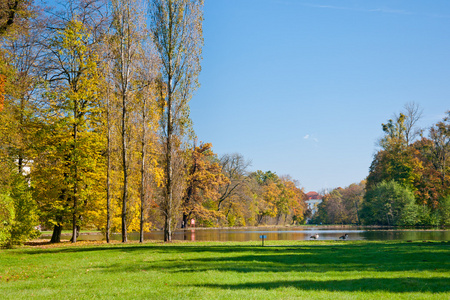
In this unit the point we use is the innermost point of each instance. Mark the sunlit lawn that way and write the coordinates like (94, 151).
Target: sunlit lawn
(280, 270)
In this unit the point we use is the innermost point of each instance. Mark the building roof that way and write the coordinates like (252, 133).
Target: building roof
(313, 196)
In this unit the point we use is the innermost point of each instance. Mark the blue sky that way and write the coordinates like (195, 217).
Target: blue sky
(302, 87)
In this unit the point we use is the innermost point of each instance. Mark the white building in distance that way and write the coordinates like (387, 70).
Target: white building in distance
(313, 201)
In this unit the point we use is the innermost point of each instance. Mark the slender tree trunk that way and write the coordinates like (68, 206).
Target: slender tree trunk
(169, 199)
(21, 122)
(229, 209)
(75, 185)
(57, 228)
(20, 160)
(191, 187)
(219, 204)
(357, 212)
(125, 173)
(108, 172)
(167, 229)
(143, 182)
(169, 189)
(74, 220)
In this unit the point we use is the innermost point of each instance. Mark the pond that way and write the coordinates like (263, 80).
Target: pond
(283, 233)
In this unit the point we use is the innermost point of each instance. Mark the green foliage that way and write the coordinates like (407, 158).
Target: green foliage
(389, 203)
(444, 211)
(7, 215)
(422, 167)
(427, 216)
(17, 212)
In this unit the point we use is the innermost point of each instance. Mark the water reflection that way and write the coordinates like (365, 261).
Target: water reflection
(272, 234)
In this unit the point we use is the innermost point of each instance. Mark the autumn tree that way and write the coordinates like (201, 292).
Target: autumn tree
(353, 197)
(148, 120)
(331, 210)
(412, 113)
(276, 198)
(291, 203)
(266, 192)
(20, 64)
(74, 140)
(176, 27)
(11, 11)
(396, 160)
(204, 177)
(434, 186)
(440, 136)
(341, 205)
(419, 165)
(127, 25)
(24, 53)
(234, 167)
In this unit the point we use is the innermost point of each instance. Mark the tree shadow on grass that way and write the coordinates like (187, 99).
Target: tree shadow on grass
(311, 257)
(195, 248)
(393, 285)
(161, 247)
(324, 258)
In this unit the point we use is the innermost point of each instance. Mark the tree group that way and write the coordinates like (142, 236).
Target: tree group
(95, 130)
(408, 182)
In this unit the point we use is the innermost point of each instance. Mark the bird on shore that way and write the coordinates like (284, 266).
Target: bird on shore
(315, 236)
(344, 237)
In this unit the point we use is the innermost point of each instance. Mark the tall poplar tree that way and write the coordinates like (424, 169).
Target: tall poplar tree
(126, 42)
(176, 27)
(147, 120)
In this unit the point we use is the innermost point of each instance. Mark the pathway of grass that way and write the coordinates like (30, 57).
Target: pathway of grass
(281, 270)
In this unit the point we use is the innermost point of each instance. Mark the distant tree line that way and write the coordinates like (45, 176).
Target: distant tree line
(408, 182)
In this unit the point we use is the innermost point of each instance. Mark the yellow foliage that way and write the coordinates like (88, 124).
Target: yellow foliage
(2, 90)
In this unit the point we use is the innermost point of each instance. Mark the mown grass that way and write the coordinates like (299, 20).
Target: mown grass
(214, 270)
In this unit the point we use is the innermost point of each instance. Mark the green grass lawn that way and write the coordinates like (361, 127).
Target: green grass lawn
(214, 270)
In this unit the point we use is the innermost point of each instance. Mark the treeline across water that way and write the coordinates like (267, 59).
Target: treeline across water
(408, 182)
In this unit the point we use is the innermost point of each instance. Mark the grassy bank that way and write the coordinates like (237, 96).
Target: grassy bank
(280, 270)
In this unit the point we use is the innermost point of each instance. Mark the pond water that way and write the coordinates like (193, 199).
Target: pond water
(293, 234)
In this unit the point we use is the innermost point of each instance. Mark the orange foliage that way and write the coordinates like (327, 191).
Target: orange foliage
(204, 179)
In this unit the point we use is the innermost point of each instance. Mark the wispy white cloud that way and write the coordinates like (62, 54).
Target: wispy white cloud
(311, 137)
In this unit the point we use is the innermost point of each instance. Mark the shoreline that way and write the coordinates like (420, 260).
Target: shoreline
(297, 227)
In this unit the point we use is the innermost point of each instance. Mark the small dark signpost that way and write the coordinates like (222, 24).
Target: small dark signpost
(263, 237)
